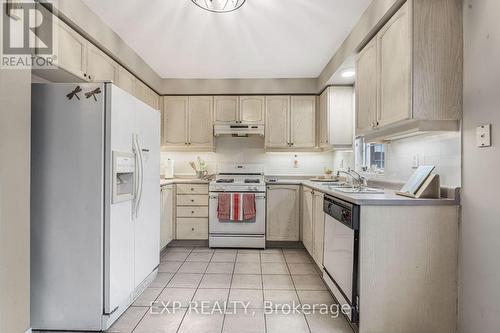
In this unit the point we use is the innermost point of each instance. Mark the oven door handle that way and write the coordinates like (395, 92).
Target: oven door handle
(257, 196)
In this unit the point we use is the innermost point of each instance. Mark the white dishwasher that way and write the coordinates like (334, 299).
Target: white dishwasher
(341, 254)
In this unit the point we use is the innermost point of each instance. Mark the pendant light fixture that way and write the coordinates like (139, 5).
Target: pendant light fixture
(219, 6)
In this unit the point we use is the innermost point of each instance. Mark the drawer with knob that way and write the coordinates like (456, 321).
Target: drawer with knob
(192, 200)
(192, 211)
(192, 228)
(192, 189)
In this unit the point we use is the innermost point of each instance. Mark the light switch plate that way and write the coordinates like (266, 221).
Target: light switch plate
(483, 136)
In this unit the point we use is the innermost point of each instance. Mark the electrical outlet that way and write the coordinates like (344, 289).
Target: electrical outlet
(416, 161)
(483, 136)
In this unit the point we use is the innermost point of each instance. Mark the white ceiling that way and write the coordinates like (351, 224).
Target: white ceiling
(262, 39)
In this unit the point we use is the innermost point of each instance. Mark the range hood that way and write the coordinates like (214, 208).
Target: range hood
(240, 130)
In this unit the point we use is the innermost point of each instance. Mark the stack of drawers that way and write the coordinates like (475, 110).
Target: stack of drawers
(192, 211)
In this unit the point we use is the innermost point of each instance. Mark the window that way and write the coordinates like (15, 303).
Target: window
(374, 156)
(369, 157)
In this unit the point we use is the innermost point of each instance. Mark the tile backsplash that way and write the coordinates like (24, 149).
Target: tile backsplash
(251, 150)
(441, 150)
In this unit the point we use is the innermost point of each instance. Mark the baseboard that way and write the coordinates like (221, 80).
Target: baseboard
(284, 244)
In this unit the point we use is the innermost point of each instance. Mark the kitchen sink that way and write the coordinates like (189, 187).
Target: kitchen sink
(336, 185)
(356, 190)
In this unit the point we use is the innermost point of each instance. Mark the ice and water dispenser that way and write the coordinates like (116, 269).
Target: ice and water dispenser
(123, 176)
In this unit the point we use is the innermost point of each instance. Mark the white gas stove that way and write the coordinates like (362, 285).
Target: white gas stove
(238, 179)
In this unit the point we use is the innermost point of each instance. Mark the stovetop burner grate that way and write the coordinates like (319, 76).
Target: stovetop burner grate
(225, 181)
(252, 181)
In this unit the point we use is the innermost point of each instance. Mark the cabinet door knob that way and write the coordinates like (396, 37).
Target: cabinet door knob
(192, 212)
(192, 189)
(192, 200)
(192, 229)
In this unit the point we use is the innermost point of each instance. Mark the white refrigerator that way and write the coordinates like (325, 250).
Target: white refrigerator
(95, 204)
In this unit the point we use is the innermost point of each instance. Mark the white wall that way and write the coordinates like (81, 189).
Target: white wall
(15, 115)
(251, 150)
(480, 226)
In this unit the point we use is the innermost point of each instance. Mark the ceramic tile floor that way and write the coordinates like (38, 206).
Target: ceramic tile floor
(237, 278)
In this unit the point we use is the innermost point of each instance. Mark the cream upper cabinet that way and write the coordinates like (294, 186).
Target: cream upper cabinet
(303, 121)
(187, 122)
(251, 109)
(408, 79)
(323, 118)
(318, 228)
(394, 49)
(277, 122)
(70, 46)
(200, 122)
(175, 121)
(283, 213)
(146, 94)
(153, 99)
(100, 66)
(126, 80)
(336, 116)
(307, 218)
(225, 109)
(366, 88)
(72, 55)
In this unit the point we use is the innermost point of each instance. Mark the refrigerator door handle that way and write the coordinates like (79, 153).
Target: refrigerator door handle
(141, 175)
(136, 175)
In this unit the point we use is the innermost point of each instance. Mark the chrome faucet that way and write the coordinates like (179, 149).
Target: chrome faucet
(360, 180)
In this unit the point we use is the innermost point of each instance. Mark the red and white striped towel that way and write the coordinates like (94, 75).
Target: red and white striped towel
(236, 207)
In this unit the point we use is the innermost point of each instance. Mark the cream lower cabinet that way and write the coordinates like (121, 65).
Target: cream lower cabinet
(187, 123)
(336, 115)
(283, 213)
(192, 211)
(167, 230)
(318, 228)
(307, 218)
(313, 223)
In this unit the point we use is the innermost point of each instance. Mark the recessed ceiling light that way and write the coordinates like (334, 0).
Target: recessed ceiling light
(219, 6)
(348, 73)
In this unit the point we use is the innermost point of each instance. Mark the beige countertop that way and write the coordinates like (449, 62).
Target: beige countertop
(388, 198)
(182, 181)
(451, 196)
